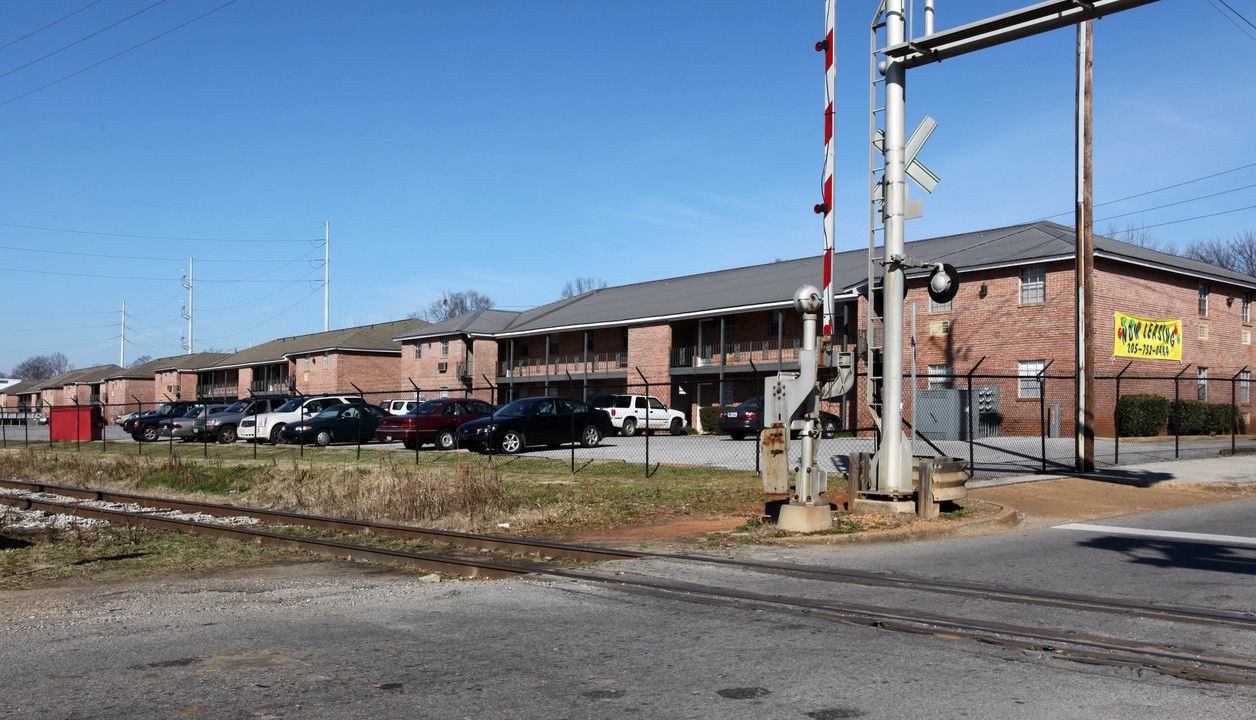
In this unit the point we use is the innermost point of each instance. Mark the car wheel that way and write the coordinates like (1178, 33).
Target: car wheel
(677, 427)
(149, 433)
(323, 438)
(274, 434)
(445, 440)
(410, 444)
(591, 436)
(512, 442)
(227, 434)
(630, 427)
(137, 437)
(828, 428)
(737, 435)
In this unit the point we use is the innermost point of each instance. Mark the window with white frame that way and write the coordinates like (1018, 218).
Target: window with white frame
(1247, 307)
(418, 351)
(940, 377)
(1203, 299)
(935, 306)
(1201, 384)
(444, 350)
(444, 392)
(1033, 285)
(1030, 372)
(1245, 390)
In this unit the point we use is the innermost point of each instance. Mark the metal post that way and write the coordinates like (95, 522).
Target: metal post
(326, 272)
(1117, 414)
(359, 434)
(647, 421)
(892, 476)
(78, 429)
(1177, 412)
(972, 466)
(1234, 409)
(139, 409)
(416, 420)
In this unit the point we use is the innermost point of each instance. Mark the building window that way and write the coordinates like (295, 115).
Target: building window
(307, 363)
(326, 359)
(418, 351)
(623, 340)
(774, 322)
(730, 327)
(1247, 307)
(1030, 372)
(444, 392)
(1201, 384)
(553, 344)
(1245, 390)
(726, 394)
(1033, 285)
(935, 306)
(444, 350)
(1203, 299)
(940, 377)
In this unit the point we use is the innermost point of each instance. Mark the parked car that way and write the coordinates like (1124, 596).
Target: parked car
(146, 427)
(266, 427)
(435, 421)
(747, 419)
(187, 427)
(122, 417)
(348, 422)
(549, 421)
(221, 426)
(631, 412)
(399, 407)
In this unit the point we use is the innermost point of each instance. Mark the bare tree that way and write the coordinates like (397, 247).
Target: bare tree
(140, 361)
(1141, 236)
(580, 286)
(42, 367)
(1237, 253)
(452, 305)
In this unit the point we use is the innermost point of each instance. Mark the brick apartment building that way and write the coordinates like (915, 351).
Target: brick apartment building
(712, 338)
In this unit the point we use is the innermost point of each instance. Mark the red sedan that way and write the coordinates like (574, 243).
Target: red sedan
(435, 421)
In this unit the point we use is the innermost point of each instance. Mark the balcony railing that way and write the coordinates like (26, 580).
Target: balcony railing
(564, 364)
(465, 369)
(217, 390)
(277, 385)
(764, 352)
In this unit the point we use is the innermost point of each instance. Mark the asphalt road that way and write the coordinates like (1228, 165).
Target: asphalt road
(327, 640)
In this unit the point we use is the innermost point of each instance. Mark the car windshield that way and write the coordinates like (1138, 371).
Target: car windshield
(167, 409)
(431, 407)
(290, 406)
(516, 409)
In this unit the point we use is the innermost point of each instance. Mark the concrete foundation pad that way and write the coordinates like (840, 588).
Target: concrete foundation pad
(805, 518)
(890, 507)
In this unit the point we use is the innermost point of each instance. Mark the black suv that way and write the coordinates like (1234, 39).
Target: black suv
(145, 427)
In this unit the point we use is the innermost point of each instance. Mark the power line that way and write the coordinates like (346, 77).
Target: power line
(54, 22)
(82, 39)
(115, 55)
(147, 237)
(143, 257)
(255, 300)
(1179, 202)
(273, 317)
(1161, 189)
(1236, 12)
(1197, 217)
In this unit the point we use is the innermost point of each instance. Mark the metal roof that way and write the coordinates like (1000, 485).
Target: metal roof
(773, 285)
(365, 338)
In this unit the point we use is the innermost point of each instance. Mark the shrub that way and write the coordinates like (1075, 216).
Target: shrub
(711, 418)
(1143, 415)
(1192, 417)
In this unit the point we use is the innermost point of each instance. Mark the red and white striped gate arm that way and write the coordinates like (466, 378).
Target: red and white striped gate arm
(830, 156)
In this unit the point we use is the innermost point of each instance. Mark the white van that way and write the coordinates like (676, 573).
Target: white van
(266, 427)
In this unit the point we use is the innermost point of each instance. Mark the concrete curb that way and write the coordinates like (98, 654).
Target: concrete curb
(1005, 519)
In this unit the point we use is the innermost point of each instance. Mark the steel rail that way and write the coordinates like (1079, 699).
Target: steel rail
(521, 546)
(1167, 659)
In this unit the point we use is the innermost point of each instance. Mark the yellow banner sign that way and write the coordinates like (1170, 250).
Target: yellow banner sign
(1142, 338)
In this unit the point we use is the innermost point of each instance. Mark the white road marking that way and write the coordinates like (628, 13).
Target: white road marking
(1165, 534)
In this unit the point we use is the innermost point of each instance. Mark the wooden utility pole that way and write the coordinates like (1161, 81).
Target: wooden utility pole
(1084, 460)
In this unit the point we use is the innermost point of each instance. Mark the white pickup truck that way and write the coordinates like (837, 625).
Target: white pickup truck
(630, 413)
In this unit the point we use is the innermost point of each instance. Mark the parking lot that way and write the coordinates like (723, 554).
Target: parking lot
(991, 457)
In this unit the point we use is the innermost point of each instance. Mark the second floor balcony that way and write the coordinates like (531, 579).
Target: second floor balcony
(214, 391)
(762, 353)
(273, 385)
(564, 365)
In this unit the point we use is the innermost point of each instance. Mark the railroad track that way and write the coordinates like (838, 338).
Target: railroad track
(531, 557)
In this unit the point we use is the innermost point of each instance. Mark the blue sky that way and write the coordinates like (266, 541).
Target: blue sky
(511, 147)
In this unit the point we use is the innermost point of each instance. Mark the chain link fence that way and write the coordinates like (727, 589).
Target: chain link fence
(999, 424)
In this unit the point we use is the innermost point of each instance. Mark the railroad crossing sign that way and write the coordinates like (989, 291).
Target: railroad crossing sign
(915, 169)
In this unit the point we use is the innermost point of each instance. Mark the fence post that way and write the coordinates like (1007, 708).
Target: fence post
(1116, 413)
(1177, 412)
(78, 429)
(1042, 412)
(647, 420)
(139, 409)
(972, 466)
(359, 435)
(1234, 409)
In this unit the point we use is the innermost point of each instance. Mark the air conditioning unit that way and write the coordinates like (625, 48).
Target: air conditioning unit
(442, 367)
(939, 328)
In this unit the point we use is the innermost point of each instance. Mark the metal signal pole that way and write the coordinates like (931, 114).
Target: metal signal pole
(326, 272)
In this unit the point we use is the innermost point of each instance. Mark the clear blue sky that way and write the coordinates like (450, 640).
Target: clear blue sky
(511, 147)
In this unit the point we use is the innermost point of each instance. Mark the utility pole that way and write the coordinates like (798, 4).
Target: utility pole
(1084, 459)
(327, 273)
(190, 311)
(122, 344)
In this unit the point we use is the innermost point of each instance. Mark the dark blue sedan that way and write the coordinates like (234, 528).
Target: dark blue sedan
(548, 421)
(347, 422)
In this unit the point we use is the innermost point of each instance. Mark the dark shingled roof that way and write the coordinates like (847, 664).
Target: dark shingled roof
(368, 338)
(81, 376)
(773, 285)
(174, 362)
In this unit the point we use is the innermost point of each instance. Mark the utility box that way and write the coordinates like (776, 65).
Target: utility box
(942, 414)
(81, 422)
